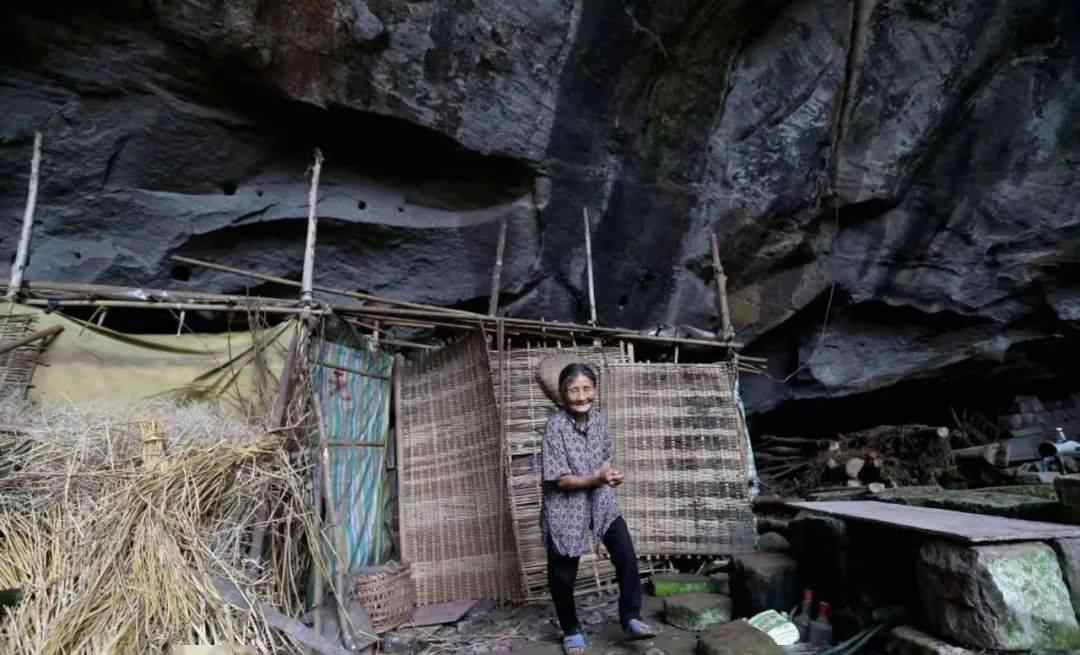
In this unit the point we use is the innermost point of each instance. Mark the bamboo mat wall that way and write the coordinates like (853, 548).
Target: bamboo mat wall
(455, 525)
(526, 411)
(17, 366)
(680, 440)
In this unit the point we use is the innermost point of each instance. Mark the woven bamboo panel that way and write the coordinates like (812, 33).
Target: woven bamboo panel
(455, 524)
(527, 409)
(388, 595)
(680, 440)
(17, 366)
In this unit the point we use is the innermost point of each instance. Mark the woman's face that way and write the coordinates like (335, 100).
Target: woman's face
(579, 394)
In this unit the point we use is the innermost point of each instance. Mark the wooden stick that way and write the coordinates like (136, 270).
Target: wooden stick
(40, 334)
(312, 223)
(727, 332)
(28, 222)
(496, 274)
(588, 265)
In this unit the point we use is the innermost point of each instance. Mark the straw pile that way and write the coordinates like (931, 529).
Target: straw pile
(115, 554)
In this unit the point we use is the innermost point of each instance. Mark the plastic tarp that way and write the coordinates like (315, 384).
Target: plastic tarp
(354, 390)
(86, 363)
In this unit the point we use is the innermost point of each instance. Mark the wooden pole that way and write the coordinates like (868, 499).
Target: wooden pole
(28, 222)
(588, 263)
(727, 332)
(312, 222)
(496, 273)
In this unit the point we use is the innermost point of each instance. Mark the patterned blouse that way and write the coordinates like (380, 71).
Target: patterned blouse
(569, 518)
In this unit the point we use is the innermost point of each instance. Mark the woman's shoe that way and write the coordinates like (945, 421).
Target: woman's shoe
(574, 644)
(637, 629)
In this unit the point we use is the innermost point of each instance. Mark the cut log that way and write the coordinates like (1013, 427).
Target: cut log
(853, 466)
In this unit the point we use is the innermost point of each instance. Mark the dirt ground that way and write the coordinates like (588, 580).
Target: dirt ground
(532, 630)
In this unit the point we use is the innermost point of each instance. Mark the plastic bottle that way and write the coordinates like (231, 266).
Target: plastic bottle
(820, 628)
(802, 618)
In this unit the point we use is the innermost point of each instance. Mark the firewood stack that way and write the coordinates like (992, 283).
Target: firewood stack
(855, 463)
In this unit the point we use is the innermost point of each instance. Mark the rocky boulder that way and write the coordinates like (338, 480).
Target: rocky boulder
(697, 611)
(1005, 597)
(737, 638)
(1068, 552)
(899, 173)
(762, 581)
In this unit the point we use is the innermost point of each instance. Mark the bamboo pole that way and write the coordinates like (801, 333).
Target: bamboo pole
(40, 334)
(727, 332)
(28, 222)
(113, 292)
(496, 273)
(312, 224)
(421, 311)
(588, 264)
(442, 311)
(179, 306)
(348, 631)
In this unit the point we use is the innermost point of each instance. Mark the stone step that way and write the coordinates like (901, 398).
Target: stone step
(697, 611)
(671, 584)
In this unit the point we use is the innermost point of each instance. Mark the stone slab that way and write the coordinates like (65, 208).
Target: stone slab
(670, 584)
(990, 503)
(956, 526)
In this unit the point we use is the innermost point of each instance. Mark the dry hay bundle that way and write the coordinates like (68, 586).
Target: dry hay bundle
(117, 557)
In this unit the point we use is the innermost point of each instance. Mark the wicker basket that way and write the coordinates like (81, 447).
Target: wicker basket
(388, 595)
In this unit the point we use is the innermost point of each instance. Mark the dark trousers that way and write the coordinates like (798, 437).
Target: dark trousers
(562, 571)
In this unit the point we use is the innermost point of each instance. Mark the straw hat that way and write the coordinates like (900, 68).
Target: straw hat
(547, 374)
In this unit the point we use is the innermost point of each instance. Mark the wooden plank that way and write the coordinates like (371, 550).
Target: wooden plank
(958, 526)
(440, 613)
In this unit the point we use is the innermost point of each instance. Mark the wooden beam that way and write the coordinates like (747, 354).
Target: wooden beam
(496, 273)
(23, 252)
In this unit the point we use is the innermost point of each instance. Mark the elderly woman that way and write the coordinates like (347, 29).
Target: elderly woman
(579, 505)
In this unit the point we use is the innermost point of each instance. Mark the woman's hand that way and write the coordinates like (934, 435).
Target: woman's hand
(608, 475)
